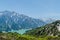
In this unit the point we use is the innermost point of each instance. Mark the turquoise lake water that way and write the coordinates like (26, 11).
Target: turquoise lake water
(20, 31)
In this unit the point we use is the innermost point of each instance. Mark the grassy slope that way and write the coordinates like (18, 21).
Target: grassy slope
(16, 36)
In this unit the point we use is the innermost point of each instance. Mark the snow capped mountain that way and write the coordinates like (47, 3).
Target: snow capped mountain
(15, 21)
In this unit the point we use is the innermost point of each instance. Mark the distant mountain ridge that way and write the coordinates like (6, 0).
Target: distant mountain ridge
(15, 21)
(48, 20)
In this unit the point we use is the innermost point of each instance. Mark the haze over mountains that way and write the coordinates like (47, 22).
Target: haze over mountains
(48, 20)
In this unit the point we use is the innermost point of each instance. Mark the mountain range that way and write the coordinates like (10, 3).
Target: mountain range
(13, 24)
(15, 21)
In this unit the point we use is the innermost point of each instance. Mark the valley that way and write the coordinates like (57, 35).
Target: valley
(15, 26)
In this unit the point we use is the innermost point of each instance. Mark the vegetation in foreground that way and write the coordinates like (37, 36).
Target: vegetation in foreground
(16, 36)
(47, 32)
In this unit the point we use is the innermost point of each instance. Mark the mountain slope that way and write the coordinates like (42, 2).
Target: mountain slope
(52, 29)
(15, 21)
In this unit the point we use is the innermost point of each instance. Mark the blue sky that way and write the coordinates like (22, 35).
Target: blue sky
(33, 8)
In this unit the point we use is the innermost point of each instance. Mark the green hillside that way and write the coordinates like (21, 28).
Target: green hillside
(51, 29)
(16, 36)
